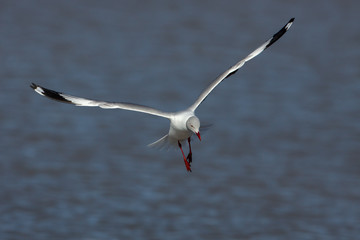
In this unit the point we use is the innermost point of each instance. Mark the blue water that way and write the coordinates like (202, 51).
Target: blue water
(280, 162)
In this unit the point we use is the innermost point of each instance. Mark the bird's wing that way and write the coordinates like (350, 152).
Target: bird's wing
(92, 103)
(238, 65)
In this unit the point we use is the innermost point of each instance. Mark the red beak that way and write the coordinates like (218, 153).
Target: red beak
(198, 134)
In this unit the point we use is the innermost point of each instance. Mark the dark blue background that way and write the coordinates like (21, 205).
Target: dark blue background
(280, 162)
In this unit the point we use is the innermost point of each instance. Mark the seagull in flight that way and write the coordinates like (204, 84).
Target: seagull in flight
(183, 124)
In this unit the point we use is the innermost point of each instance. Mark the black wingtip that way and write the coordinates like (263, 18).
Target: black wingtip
(33, 86)
(55, 95)
(279, 34)
(49, 93)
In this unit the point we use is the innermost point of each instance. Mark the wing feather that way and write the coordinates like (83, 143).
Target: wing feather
(239, 64)
(58, 96)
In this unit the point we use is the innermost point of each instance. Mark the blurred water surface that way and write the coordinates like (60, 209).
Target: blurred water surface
(280, 162)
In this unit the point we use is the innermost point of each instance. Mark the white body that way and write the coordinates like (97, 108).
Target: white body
(178, 130)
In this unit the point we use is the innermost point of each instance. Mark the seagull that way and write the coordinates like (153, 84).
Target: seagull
(183, 124)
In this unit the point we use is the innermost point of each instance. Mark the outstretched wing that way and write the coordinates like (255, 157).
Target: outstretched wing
(92, 103)
(238, 65)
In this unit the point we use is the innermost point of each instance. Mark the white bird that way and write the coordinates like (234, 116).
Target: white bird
(183, 124)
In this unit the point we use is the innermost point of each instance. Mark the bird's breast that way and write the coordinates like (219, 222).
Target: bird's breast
(179, 134)
(178, 129)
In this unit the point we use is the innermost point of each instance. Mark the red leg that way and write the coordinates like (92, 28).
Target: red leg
(189, 156)
(187, 165)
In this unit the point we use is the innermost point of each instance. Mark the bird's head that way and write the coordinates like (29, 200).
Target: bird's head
(193, 125)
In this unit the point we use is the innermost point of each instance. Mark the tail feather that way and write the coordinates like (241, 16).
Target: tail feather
(167, 142)
(161, 143)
